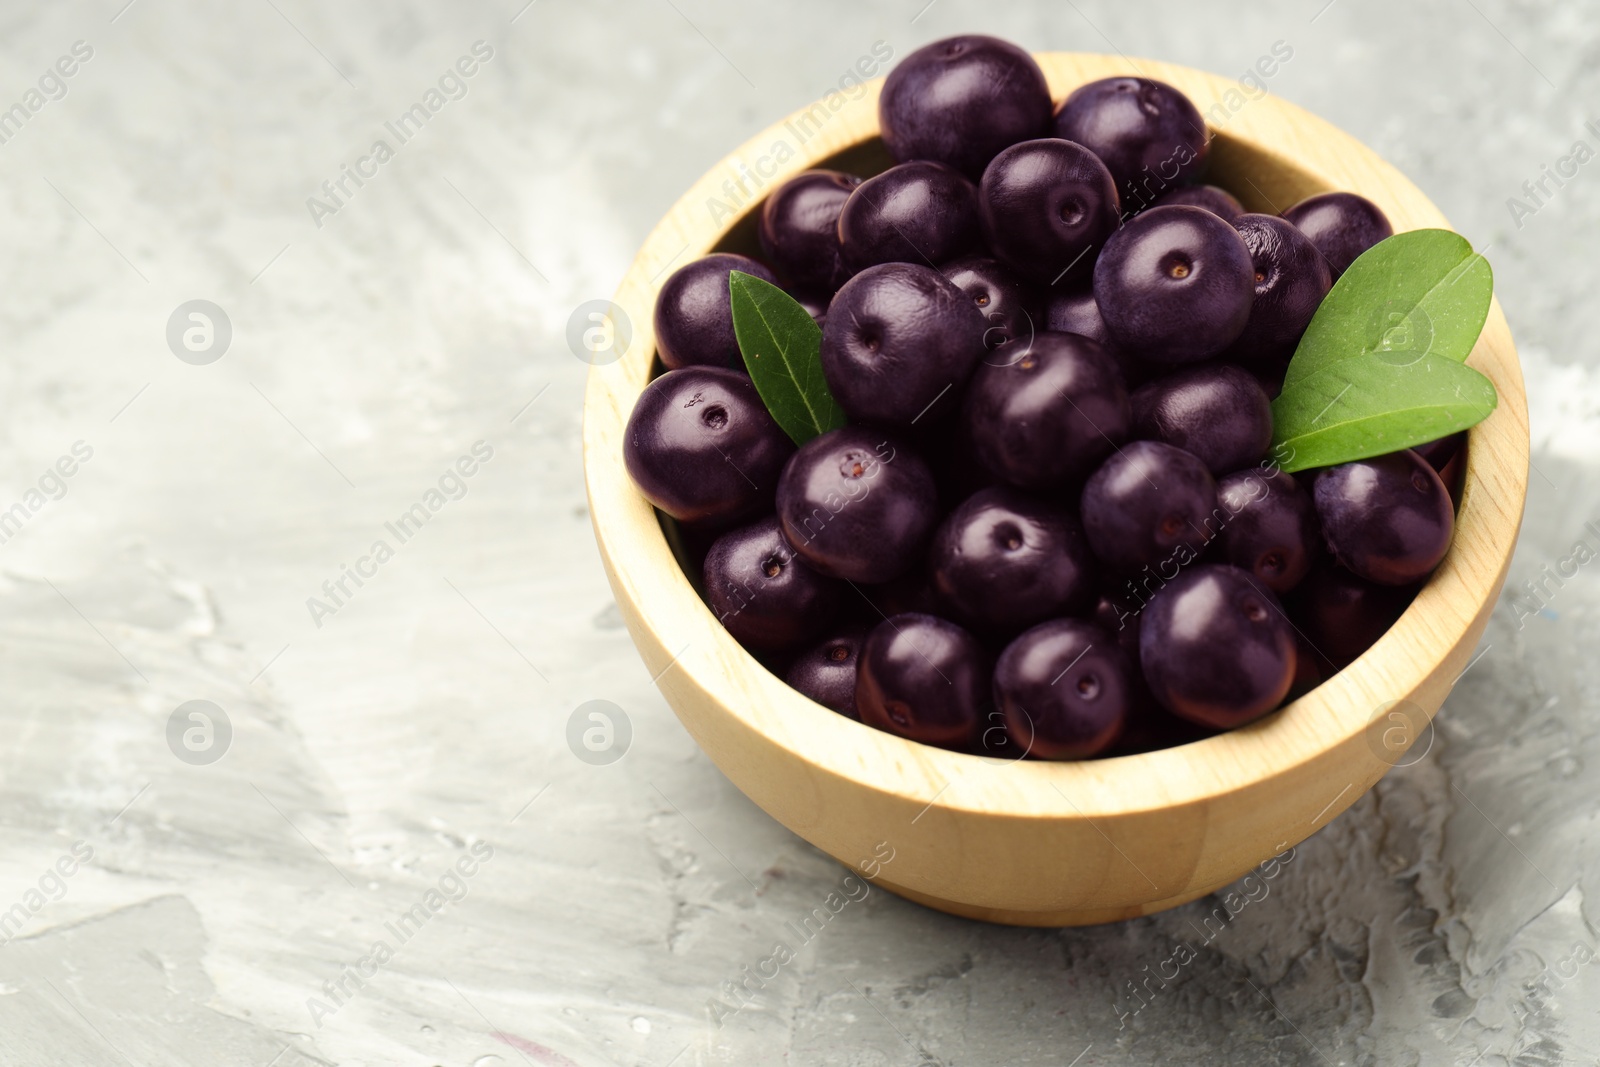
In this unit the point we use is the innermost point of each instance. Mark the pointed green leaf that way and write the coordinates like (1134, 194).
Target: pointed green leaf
(1368, 406)
(782, 348)
(1425, 292)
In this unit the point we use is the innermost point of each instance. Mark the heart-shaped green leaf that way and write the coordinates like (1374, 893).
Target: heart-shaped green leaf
(1425, 292)
(782, 349)
(1361, 407)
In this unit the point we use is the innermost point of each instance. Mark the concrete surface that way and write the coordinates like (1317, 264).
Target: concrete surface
(410, 738)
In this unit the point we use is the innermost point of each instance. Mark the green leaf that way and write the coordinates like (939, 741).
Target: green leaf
(1425, 292)
(1364, 407)
(782, 348)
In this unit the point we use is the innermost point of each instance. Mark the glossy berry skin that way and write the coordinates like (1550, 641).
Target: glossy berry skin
(1342, 615)
(694, 318)
(1272, 527)
(826, 672)
(760, 591)
(1215, 411)
(1218, 201)
(1006, 304)
(1004, 560)
(1149, 505)
(1048, 417)
(799, 230)
(701, 447)
(1216, 648)
(923, 678)
(857, 504)
(1341, 225)
(899, 336)
(1151, 137)
(1064, 689)
(961, 100)
(1291, 280)
(1045, 206)
(1388, 519)
(1175, 285)
(917, 212)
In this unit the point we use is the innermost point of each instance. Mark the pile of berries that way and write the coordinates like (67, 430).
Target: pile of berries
(1052, 525)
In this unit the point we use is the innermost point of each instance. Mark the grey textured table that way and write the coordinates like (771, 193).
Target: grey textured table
(401, 741)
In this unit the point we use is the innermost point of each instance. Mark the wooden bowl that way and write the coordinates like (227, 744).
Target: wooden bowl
(1039, 843)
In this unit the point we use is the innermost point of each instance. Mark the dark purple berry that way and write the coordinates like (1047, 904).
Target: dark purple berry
(701, 447)
(694, 319)
(1216, 648)
(1291, 280)
(1045, 206)
(1272, 527)
(1219, 202)
(1004, 560)
(1216, 412)
(917, 212)
(923, 678)
(758, 588)
(1341, 225)
(1342, 615)
(1175, 285)
(1006, 304)
(857, 504)
(827, 672)
(1050, 415)
(1064, 689)
(1149, 505)
(1388, 519)
(899, 337)
(799, 230)
(961, 100)
(1150, 136)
